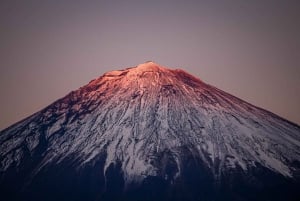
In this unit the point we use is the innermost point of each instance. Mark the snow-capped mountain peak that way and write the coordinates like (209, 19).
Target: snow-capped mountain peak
(150, 121)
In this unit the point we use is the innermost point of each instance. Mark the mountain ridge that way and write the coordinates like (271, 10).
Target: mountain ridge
(111, 73)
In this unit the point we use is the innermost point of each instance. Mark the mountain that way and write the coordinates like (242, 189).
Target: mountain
(150, 133)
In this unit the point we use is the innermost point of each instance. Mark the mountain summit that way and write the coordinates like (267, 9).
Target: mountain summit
(149, 66)
(150, 133)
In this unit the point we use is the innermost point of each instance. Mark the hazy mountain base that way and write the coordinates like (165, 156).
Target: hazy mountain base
(67, 182)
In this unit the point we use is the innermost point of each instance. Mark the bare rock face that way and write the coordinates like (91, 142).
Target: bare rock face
(150, 133)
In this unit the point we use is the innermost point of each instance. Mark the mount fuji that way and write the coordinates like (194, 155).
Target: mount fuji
(150, 133)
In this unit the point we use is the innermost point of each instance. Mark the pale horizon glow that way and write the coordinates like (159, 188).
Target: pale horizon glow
(248, 49)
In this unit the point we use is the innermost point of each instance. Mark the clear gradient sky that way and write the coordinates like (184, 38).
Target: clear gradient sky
(250, 49)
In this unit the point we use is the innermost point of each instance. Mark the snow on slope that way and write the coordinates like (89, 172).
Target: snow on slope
(132, 115)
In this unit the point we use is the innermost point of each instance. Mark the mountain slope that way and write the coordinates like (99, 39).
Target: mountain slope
(153, 131)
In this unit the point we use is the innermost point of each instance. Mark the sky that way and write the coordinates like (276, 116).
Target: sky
(250, 49)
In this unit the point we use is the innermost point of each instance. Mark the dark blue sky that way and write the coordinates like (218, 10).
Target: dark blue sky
(250, 49)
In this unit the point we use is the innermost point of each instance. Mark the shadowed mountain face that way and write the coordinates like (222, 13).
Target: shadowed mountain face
(150, 133)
